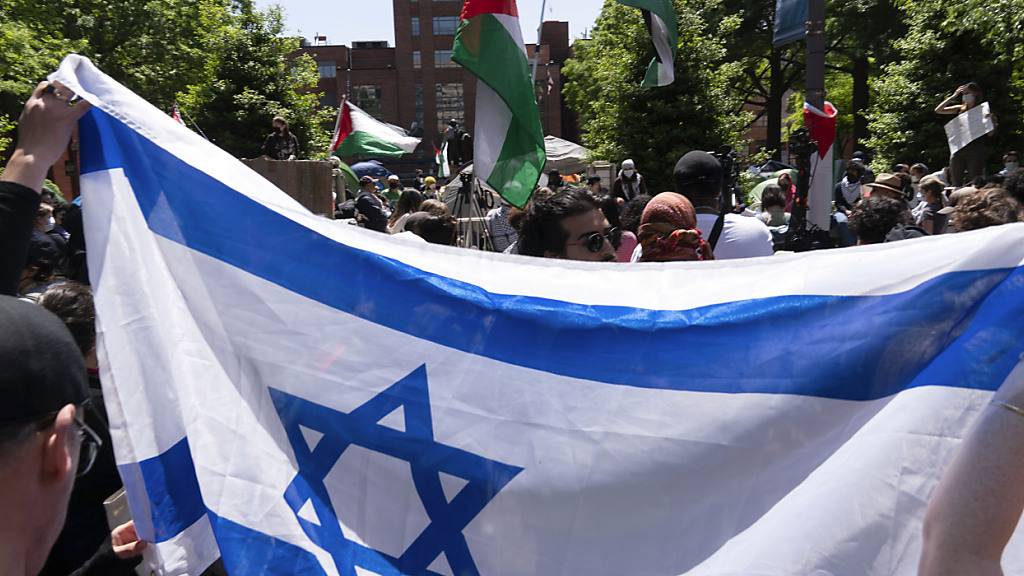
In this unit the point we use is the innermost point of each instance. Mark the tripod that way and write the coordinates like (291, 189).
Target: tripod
(469, 210)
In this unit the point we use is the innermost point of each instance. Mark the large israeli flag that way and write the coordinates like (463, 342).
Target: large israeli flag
(303, 397)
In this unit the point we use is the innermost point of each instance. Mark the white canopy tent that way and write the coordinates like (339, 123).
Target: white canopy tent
(564, 156)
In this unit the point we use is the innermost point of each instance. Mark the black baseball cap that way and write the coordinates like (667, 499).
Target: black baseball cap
(699, 169)
(367, 180)
(41, 368)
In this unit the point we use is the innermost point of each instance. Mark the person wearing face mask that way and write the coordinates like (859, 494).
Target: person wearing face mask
(281, 144)
(1011, 163)
(847, 191)
(970, 158)
(630, 183)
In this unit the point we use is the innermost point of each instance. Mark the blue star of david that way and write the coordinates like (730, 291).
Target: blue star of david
(427, 459)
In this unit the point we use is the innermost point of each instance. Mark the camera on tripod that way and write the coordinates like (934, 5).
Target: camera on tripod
(732, 196)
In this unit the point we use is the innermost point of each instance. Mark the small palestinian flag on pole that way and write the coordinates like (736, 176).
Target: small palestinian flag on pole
(508, 148)
(356, 133)
(662, 23)
(441, 159)
(176, 114)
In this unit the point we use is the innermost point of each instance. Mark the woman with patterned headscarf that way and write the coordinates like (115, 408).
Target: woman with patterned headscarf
(668, 231)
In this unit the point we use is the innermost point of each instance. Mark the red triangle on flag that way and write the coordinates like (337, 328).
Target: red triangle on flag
(343, 127)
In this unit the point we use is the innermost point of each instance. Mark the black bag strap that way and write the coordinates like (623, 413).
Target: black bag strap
(716, 232)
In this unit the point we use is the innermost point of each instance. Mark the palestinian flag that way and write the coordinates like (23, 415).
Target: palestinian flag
(176, 114)
(441, 159)
(508, 148)
(356, 133)
(662, 23)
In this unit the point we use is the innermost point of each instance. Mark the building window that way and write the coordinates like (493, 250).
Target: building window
(329, 99)
(443, 59)
(368, 98)
(445, 25)
(449, 105)
(327, 68)
(417, 59)
(419, 104)
(415, 25)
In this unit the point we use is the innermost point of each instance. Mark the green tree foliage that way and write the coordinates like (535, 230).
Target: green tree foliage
(948, 44)
(249, 81)
(27, 54)
(656, 126)
(223, 60)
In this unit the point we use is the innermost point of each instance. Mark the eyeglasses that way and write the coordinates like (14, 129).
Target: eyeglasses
(91, 444)
(595, 242)
(91, 441)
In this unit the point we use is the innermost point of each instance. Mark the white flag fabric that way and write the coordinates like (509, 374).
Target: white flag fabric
(301, 397)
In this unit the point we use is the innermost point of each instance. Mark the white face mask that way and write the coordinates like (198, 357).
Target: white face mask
(970, 99)
(628, 173)
(1012, 166)
(50, 223)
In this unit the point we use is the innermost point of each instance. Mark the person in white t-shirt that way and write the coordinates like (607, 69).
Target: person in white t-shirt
(698, 176)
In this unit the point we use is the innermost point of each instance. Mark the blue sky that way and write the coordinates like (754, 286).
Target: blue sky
(343, 21)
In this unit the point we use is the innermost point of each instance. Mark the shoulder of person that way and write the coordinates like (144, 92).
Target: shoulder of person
(745, 225)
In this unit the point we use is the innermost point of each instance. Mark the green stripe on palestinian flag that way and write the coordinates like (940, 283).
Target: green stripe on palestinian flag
(359, 134)
(663, 25)
(508, 148)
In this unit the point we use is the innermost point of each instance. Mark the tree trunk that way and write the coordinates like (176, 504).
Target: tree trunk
(774, 104)
(861, 99)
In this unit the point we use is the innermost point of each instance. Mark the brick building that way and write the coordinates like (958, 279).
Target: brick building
(415, 84)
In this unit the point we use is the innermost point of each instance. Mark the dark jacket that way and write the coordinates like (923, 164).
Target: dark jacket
(18, 206)
(280, 146)
(83, 547)
(629, 188)
(371, 212)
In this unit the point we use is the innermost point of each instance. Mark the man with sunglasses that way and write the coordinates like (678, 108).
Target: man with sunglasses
(570, 225)
(44, 442)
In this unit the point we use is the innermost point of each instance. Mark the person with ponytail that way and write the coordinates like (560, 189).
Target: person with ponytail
(668, 231)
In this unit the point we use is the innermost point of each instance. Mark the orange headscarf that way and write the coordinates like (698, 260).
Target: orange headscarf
(668, 231)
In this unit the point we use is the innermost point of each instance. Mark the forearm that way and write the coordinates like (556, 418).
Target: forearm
(944, 106)
(26, 169)
(979, 501)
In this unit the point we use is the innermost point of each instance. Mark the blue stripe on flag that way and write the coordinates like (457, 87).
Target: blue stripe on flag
(959, 329)
(247, 552)
(170, 484)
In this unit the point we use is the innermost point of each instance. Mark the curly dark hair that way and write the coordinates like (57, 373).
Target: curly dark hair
(633, 211)
(986, 207)
(875, 216)
(542, 229)
(72, 303)
(612, 210)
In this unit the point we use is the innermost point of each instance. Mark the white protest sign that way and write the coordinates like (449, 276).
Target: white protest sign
(968, 127)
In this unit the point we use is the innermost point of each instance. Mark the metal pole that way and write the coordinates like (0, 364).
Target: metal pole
(536, 50)
(816, 53)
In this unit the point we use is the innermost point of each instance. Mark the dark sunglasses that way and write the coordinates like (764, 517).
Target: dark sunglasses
(595, 242)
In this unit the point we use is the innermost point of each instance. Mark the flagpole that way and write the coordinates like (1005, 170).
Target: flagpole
(189, 118)
(536, 48)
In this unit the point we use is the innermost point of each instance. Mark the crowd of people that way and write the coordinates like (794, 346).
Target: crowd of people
(627, 224)
(52, 422)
